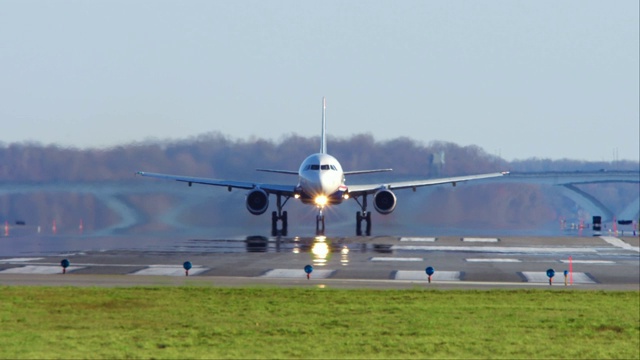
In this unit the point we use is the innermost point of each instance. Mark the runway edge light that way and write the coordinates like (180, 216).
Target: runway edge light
(551, 273)
(308, 269)
(430, 271)
(187, 266)
(65, 264)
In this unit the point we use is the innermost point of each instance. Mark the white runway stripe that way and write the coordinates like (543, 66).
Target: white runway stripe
(423, 239)
(19, 260)
(297, 273)
(395, 259)
(422, 276)
(169, 270)
(541, 277)
(588, 261)
(619, 243)
(495, 260)
(496, 249)
(484, 240)
(33, 269)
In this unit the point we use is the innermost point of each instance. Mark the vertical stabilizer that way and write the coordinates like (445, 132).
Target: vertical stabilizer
(323, 143)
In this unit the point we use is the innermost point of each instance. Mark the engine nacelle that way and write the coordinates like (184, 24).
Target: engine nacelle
(384, 201)
(257, 201)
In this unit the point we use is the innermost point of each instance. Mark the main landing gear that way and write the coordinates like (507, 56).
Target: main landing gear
(279, 216)
(364, 215)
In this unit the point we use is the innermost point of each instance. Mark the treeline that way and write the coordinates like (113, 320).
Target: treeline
(215, 155)
(503, 206)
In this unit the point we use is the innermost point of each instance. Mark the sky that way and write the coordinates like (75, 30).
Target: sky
(520, 79)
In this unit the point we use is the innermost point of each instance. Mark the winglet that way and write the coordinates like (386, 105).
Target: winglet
(323, 143)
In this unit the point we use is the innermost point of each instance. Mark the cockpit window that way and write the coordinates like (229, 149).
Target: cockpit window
(315, 167)
(324, 167)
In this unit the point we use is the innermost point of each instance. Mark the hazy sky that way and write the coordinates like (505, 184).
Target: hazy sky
(548, 79)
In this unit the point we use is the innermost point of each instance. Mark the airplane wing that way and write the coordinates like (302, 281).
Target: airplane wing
(357, 190)
(230, 184)
(288, 172)
(358, 172)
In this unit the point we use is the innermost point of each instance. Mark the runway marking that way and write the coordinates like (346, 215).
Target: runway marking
(423, 239)
(619, 243)
(20, 259)
(588, 261)
(297, 273)
(495, 260)
(395, 259)
(421, 275)
(169, 270)
(40, 270)
(541, 277)
(473, 239)
(496, 249)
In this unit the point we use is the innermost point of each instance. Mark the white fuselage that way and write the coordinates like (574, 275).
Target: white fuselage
(321, 176)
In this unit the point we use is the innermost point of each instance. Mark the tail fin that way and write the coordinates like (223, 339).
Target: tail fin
(323, 143)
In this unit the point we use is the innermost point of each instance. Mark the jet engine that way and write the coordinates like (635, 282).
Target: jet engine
(257, 201)
(384, 201)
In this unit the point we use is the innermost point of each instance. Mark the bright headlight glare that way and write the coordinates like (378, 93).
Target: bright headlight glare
(321, 200)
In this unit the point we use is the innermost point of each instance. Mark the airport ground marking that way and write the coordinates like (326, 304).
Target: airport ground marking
(619, 243)
(88, 264)
(541, 277)
(297, 273)
(395, 259)
(421, 275)
(418, 239)
(495, 249)
(588, 261)
(480, 240)
(40, 270)
(19, 260)
(494, 260)
(169, 270)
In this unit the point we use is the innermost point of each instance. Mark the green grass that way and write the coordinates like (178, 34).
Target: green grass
(209, 322)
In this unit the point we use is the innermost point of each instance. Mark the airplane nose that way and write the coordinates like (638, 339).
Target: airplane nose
(327, 188)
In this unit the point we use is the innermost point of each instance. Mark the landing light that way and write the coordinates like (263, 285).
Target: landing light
(297, 196)
(345, 196)
(321, 200)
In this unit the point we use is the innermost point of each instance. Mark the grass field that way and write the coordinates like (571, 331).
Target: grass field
(209, 322)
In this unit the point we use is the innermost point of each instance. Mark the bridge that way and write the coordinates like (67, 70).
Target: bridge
(568, 181)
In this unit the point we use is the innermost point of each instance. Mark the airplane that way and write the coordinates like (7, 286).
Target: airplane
(321, 183)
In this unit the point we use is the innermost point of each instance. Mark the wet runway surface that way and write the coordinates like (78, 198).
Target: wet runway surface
(605, 262)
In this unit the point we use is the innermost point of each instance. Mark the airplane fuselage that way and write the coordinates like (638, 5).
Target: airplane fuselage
(321, 180)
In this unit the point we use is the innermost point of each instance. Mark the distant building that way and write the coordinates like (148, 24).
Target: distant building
(436, 163)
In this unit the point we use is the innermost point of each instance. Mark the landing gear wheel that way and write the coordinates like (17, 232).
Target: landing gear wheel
(363, 215)
(285, 223)
(274, 224)
(368, 220)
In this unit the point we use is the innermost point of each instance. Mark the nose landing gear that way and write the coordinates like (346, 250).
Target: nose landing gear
(320, 223)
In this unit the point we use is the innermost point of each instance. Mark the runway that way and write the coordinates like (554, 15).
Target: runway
(385, 262)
